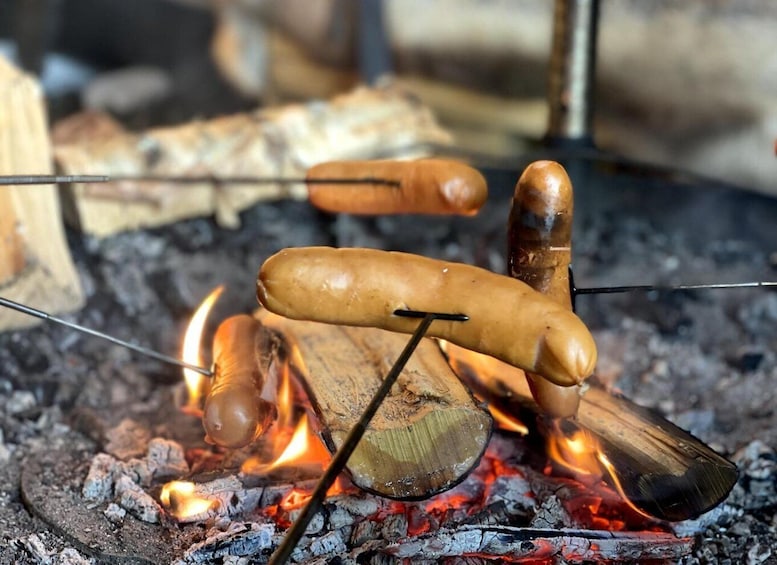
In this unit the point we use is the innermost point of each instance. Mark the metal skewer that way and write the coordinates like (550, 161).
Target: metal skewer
(575, 292)
(62, 179)
(129, 345)
(340, 459)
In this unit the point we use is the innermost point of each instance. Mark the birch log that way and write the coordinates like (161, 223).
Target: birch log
(35, 263)
(428, 433)
(283, 141)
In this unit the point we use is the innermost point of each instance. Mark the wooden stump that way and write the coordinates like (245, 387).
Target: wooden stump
(428, 433)
(35, 263)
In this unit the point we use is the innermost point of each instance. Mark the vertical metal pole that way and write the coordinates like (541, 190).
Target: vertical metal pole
(374, 49)
(571, 73)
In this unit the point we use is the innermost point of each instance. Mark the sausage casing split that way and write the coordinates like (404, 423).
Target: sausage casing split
(539, 252)
(426, 186)
(235, 413)
(363, 287)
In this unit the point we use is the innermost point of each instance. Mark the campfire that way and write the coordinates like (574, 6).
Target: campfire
(489, 445)
(428, 479)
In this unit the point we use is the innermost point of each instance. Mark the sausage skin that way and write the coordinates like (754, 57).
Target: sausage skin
(363, 287)
(426, 186)
(235, 413)
(539, 252)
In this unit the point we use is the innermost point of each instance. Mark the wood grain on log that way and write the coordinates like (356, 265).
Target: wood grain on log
(428, 433)
(35, 263)
(281, 141)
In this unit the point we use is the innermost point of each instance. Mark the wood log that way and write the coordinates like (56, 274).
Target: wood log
(427, 435)
(282, 141)
(663, 470)
(35, 263)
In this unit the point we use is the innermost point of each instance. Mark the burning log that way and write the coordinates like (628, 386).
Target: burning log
(275, 142)
(660, 468)
(35, 263)
(428, 433)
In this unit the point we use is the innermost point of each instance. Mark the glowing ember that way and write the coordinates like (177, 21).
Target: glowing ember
(191, 348)
(181, 501)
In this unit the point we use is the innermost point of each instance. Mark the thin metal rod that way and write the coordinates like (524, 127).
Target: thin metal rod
(129, 345)
(51, 179)
(669, 288)
(340, 459)
(60, 179)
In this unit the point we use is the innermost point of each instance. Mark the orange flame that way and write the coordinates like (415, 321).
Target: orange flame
(192, 346)
(297, 448)
(182, 502)
(581, 454)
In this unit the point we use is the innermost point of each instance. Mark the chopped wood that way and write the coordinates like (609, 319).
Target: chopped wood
(35, 263)
(282, 141)
(663, 470)
(428, 433)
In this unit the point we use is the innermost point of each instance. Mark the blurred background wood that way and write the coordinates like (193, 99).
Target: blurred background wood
(35, 263)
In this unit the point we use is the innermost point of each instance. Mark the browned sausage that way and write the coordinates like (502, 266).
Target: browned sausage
(235, 413)
(539, 252)
(363, 287)
(425, 186)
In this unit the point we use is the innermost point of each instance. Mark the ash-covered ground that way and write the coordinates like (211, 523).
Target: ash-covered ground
(704, 359)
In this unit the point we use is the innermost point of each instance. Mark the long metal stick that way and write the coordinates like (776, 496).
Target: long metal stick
(129, 345)
(60, 179)
(340, 459)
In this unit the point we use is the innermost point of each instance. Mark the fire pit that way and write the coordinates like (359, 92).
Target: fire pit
(702, 358)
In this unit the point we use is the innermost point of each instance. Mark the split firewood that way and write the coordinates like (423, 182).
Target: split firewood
(662, 469)
(427, 434)
(282, 141)
(539, 250)
(35, 263)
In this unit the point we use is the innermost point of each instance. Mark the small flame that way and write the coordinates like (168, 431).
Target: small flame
(293, 442)
(304, 449)
(577, 452)
(182, 502)
(582, 455)
(192, 346)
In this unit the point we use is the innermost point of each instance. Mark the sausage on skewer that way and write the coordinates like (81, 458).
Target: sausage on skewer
(363, 287)
(237, 409)
(424, 186)
(539, 244)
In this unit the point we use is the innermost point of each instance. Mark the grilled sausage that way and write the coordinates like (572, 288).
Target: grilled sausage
(539, 252)
(425, 186)
(235, 412)
(363, 287)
